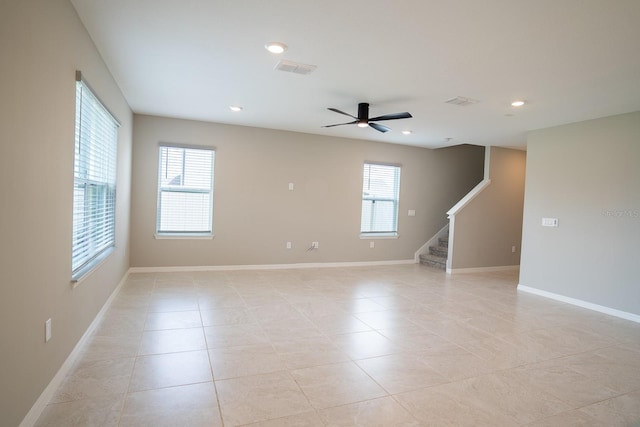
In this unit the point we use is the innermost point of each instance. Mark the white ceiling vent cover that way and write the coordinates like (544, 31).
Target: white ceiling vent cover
(461, 101)
(295, 67)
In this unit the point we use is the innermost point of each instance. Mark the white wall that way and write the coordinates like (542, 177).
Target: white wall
(490, 224)
(42, 43)
(255, 214)
(587, 175)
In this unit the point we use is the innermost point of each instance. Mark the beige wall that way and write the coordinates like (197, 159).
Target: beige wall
(588, 176)
(255, 214)
(42, 43)
(488, 227)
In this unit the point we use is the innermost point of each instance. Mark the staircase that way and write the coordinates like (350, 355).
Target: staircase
(437, 256)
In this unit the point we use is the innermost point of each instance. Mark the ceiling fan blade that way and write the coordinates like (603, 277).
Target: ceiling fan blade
(335, 110)
(379, 128)
(340, 124)
(395, 116)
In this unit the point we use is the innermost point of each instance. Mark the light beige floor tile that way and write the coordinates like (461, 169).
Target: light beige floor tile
(543, 358)
(308, 419)
(231, 362)
(175, 303)
(612, 367)
(95, 378)
(166, 370)
(276, 313)
(453, 362)
(122, 322)
(414, 340)
(293, 328)
(383, 412)
(622, 410)
(498, 353)
(315, 308)
(172, 320)
(189, 406)
(360, 345)
(335, 324)
(338, 384)
(226, 316)
(234, 335)
(505, 395)
(386, 319)
(456, 331)
(171, 341)
(216, 302)
(306, 352)
(110, 347)
(259, 398)
(564, 383)
(401, 372)
(573, 418)
(359, 305)
(452, 405)
(98, 411)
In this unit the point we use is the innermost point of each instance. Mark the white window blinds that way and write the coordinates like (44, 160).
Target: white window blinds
(94, 180)
(380, 194)
(185, 191)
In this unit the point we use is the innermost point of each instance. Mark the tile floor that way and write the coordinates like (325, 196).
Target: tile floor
(378, 346)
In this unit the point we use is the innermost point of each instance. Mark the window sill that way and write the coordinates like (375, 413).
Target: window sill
(82, 274)
(177, 236)
(369, 236)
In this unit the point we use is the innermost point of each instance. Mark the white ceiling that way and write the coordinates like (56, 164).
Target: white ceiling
(571, 60)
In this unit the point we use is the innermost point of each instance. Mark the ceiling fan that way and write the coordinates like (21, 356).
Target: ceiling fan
(363, 119)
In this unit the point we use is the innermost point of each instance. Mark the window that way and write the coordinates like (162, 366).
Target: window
(185, 192)
(380, 193)
(94, 181)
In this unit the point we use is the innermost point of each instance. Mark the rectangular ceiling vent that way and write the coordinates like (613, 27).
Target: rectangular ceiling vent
(461, 101)
(295, 67)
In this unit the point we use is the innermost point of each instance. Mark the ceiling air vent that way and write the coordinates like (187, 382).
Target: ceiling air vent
(295, 67)
(461, 101)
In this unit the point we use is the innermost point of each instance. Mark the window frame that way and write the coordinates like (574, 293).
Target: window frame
(184, 234)
(382, 234)
(94, 174)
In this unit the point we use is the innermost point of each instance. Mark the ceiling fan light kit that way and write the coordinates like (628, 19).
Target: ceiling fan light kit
(363, 120)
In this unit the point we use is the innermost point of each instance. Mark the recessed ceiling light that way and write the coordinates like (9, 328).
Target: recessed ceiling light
(406, 132)
(275, 47)
(517, 103)
(235, 108)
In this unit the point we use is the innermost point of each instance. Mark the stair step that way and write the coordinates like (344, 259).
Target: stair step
(433, 261)
(443, 241)
(441, 251)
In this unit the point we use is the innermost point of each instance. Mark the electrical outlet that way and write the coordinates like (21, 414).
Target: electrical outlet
(47, 330)
(288, 245)
(513, 249)
(314, 245)
(372, 245)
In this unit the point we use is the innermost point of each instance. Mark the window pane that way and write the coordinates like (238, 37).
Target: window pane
(94, 180)
(185, 190)
(380, 192)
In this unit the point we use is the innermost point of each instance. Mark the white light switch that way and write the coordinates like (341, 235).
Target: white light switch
(549, 222)
(412, 212)
(291, 186)
(288, 245)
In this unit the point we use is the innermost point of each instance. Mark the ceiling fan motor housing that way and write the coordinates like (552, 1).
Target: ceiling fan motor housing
(363, 112)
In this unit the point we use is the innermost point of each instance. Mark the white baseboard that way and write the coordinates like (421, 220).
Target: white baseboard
(36, 410)
(483, 269)
(267, 266)
(580, 303)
